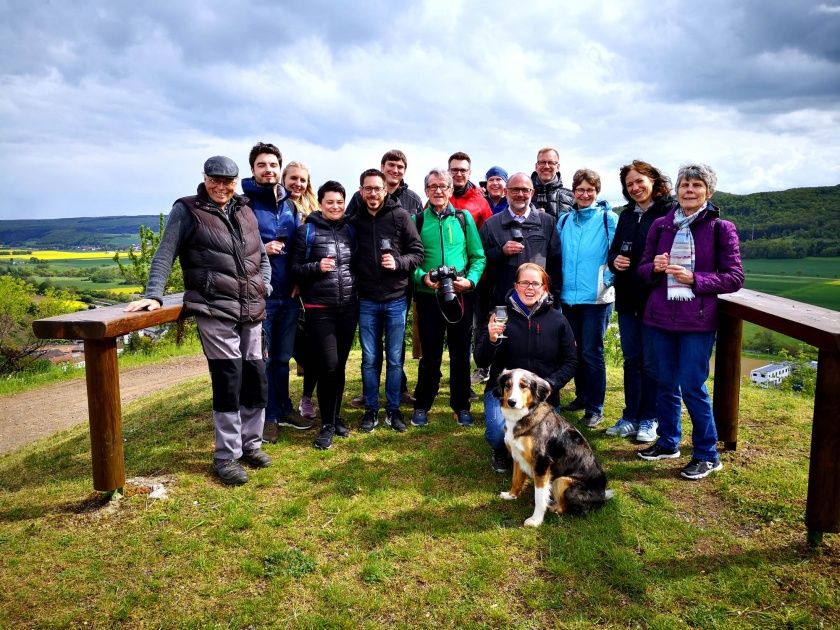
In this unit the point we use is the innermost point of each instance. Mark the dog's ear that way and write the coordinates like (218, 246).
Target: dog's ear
(501, 383)
(542, 389)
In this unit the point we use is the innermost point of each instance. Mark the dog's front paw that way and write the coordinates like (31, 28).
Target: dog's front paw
(533, 522)
(507, 496)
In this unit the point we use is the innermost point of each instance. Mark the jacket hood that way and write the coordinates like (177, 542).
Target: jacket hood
(255, 191)
(554, 182)
(317, 218)
(388, 205)
(541, 306)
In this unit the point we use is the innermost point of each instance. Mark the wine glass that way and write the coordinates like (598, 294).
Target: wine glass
(330, 252)
(281, 236)
(501, 315)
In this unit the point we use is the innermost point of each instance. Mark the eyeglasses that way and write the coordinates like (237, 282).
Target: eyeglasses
(459, 171)
(520, 191)
(372, 189)
(547, 163)
(436, 187)
(528, 285)
(216, 181)
(585, 191)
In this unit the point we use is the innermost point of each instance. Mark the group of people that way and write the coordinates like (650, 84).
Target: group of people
(534, 269)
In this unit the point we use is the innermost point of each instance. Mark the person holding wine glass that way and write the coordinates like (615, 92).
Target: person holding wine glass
(278, 219)
(535, 337)
(322, 263)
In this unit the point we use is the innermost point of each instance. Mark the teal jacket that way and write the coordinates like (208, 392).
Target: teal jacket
(447, 242)
(584, 242)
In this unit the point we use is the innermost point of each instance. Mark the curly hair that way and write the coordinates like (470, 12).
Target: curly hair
(661, 182)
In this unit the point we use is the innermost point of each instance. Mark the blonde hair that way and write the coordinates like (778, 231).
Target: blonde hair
(307, 203)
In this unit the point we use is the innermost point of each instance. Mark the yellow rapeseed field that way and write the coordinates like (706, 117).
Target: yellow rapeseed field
(52, 254)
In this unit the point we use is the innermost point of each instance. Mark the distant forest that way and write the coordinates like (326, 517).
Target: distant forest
(785, 224)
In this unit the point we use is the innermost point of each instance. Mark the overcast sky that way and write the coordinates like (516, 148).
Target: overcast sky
(110, 107)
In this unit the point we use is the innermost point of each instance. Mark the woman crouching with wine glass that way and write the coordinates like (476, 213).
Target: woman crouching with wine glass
(535, 337)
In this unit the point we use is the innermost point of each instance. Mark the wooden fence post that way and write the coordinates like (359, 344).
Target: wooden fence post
(105, 414)
(728, 378)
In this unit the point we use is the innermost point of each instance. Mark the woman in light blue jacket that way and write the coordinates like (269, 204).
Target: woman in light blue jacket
(587, 294)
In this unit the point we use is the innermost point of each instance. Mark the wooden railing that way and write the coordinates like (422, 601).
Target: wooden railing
(816, 326)
(99, 329)
(819, 327)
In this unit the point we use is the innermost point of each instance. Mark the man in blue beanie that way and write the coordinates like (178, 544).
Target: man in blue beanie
(497, 178)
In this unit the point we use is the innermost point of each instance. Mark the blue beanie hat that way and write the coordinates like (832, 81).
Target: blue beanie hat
(497, 171)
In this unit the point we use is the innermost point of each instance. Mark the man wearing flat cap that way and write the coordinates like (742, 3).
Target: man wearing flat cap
(227, 276)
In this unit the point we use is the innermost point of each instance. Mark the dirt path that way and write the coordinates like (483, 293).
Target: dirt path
(29, 416)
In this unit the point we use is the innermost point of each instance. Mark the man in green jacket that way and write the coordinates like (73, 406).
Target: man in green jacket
(452, 265)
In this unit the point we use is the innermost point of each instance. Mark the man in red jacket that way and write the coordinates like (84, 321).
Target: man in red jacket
(467, 196)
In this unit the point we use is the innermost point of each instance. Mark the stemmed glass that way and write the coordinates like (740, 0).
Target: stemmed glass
(501, 315)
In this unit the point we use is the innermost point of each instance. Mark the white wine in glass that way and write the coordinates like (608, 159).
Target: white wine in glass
(501, 315)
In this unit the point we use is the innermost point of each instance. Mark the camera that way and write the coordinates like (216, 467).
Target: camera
(516, 235)
(626, 248)
(446, 276)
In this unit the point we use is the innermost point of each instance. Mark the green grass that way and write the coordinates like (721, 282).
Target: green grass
(811, 266)
(810, 280)
(407, 530)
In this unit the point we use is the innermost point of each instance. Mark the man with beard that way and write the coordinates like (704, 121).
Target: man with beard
(549, 193)
(393, 165)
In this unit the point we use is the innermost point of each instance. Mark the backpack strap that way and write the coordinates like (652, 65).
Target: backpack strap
(308, 240)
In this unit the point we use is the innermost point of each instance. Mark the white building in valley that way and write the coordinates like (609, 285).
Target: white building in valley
(771, 374)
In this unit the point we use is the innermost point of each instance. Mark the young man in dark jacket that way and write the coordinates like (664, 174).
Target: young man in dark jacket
(278, 219)
(388, 250)
(393, 166)
(227, 276)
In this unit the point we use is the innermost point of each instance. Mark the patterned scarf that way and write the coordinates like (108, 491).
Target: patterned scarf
(682, 253)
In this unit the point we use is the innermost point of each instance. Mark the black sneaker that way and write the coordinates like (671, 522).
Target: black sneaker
(394, 419)
(271, 432)
(230, 472)
(576, 405)
(325, 437)
(341, 429)
(655, 452)
(698, 468)
(501, 462)
(296, 422)
(256, 458)
(592, 420)
(369, 421)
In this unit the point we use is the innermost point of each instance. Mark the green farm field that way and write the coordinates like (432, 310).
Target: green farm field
(811, 280)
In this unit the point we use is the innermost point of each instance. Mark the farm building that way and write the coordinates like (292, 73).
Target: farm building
(771, 374)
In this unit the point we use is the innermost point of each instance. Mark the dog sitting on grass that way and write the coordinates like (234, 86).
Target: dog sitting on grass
(549, 450)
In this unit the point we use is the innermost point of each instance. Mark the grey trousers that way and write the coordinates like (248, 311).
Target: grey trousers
(237, 372)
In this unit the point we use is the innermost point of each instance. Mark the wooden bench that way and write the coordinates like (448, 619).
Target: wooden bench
(99, 329)
(816, 326)
(819, 327)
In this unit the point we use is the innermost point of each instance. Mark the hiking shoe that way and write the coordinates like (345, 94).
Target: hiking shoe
(647, 431)
(230, 472)
(655, 452)
(394, 419)
(407, 399)
(464, 418)
(479, 375)
(592, 420)
(341, 429)
(623, 428)
(296, 422)
(501, 462)
(369, 421)
(358, 402)
(306, 408)
(325, 437)
(420, 418)
(256, 458)
(271, 432)
(697, 469)
(576, 405)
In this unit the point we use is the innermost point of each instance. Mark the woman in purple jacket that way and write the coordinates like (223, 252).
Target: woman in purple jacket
(691, 255)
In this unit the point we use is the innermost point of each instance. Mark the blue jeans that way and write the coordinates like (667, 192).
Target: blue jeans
(494, 421)
(589, 325)
(639, 368)
(682, 367)
(279, 328)
(374, 319)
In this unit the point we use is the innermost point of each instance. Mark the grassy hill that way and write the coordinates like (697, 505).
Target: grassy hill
(71, 233)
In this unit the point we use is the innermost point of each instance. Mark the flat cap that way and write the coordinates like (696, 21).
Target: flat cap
(221, 166)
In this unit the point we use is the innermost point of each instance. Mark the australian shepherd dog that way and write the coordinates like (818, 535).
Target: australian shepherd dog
(549, 450)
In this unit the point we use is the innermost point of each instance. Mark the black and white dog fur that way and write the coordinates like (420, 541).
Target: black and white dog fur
(548, 450)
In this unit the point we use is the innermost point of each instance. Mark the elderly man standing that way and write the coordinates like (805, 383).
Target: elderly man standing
(518, 235)
(550, 195)
(227, 275)
(278, 218)
(452, 264)
(466, 195)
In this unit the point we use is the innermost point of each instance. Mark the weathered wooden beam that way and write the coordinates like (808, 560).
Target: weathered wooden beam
(728, 379)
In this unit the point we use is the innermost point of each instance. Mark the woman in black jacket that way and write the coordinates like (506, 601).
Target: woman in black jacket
(648, 193)
(322, 259)
(536, 337)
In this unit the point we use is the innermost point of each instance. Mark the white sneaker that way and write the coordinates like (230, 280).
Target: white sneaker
(623, 428)
(647, 431)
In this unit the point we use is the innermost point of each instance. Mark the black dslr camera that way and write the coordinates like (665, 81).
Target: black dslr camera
(446, 276)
